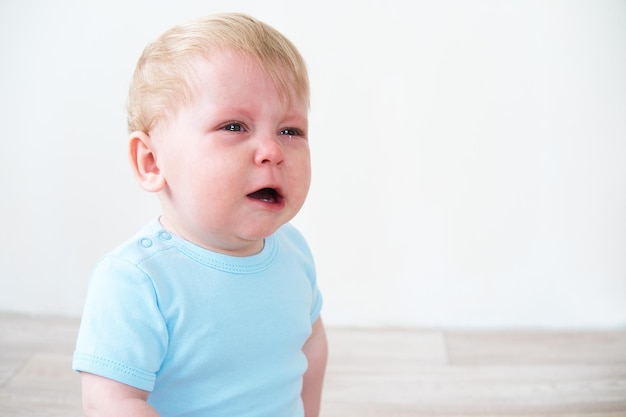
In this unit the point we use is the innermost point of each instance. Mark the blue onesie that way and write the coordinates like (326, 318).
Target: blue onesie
(208, 334)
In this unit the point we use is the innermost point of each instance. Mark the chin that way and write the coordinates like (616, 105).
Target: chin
(261, 232)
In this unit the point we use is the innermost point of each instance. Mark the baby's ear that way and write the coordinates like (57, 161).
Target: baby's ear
(144, 162)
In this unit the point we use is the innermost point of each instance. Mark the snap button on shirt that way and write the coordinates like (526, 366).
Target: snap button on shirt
(163, 235)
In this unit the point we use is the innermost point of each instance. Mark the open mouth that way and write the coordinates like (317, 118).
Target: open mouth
(266, 195)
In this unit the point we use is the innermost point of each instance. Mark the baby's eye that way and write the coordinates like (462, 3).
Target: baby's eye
(290, 132)
(233, 127)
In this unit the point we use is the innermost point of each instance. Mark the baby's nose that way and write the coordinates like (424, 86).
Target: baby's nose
(269, 150)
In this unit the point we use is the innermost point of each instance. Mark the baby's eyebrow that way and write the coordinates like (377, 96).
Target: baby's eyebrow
(297, 120)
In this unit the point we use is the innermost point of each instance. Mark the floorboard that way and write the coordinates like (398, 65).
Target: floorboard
(375, 372)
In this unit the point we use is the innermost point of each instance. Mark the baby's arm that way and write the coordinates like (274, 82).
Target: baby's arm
(103, 397)
(316, 352)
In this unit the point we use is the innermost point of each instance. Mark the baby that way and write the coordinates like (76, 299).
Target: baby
(213, 308)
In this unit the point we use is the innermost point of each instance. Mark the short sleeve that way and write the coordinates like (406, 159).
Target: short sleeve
(316, 306)
(297, 239)
(122, 335)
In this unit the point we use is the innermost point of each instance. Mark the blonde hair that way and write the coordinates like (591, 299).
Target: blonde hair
(162, 78)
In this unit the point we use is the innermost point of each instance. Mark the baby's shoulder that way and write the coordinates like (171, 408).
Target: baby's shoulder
(143, 245)
(290, 237)
(289, 231)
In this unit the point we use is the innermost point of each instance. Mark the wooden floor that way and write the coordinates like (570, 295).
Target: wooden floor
(375, 373)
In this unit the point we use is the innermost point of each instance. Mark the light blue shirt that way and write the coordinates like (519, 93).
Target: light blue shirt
(208, 334)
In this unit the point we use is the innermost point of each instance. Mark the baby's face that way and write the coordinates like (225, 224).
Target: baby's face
(235, 159)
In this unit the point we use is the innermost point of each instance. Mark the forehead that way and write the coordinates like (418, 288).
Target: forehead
(230, 71)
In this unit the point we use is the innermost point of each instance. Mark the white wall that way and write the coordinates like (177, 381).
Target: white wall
(469, 156)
